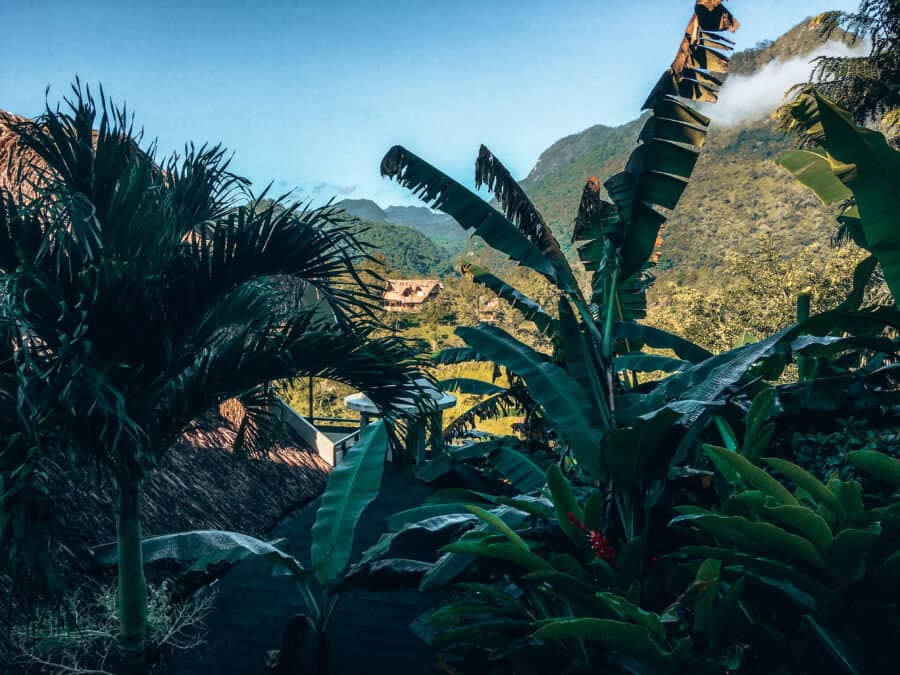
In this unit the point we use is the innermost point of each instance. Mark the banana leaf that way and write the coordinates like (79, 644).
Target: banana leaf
(208, 547)
(466, 385)
(518, 208)
(561, 397)
(529, 309)
(519, 470)
(867, 165)
(628, 638)
(660, 339)
(877, 464)
(441, 192)
(352, 486)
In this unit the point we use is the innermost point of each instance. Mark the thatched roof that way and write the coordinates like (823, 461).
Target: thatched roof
(11, 155)
(411, 291)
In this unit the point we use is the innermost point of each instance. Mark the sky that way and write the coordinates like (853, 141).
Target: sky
(310, 94)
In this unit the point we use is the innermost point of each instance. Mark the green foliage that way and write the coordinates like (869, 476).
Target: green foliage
(580, 576)
(139, 293)
(405, 250)
(859, 160)
(819, 556)
(352, 485)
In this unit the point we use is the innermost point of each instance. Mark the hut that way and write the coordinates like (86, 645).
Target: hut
(410, 295)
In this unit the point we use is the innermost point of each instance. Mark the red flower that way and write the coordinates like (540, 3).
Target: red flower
(602, 548)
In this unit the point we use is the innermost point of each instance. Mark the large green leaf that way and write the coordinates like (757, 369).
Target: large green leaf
(451, 564)
(465, 385)
(807, 482)
(207, 547)
(529, 309)
(627, 638)
(648, 363)
(427, 526)
(629, 449)
(877, 464)
(519, 470)
(751, 474)
(707, 380)
(582, 362)
(818, 172)
(660, 339)
(804, 521)
(518, 208)
(761, 536)
(467, 208)
(352, 486)
(562, 399)
(872, 175)
(564, 503)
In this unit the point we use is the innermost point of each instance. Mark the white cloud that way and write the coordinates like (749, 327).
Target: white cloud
(752, 97)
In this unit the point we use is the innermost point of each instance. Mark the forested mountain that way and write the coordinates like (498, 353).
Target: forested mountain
(363, 208)
(405, 250)
(736, 194)
(438, 227)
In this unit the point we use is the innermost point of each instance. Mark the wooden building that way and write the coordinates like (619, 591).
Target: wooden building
(409, 295)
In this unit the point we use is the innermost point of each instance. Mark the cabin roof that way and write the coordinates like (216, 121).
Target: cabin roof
(411, 291)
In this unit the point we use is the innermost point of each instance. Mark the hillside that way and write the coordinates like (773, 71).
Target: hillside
(438, 227)
(737, 191)
(405, 250)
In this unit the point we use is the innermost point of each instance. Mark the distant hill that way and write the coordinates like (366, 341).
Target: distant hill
(405, 250)
(737, 191)
(438, 227)
(365, 209)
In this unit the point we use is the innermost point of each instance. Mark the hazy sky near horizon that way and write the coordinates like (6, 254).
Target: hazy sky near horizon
(310, 94)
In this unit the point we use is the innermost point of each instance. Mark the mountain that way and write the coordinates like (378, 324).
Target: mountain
(736, 192)
(438, 226)
(365, 209)
(405, 250)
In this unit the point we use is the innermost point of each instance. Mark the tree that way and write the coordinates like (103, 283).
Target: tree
(138, 294)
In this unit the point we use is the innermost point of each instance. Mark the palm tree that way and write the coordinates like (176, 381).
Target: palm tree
(139, 294)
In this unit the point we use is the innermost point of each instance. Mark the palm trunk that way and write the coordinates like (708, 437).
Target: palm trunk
(132, 584)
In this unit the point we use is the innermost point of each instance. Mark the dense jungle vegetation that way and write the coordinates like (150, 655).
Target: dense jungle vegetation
(674, 450)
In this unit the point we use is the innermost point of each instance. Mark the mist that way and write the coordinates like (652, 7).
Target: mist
(751, 97)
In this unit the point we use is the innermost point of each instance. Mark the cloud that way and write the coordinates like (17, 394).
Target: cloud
(752, 97)
(334, 188)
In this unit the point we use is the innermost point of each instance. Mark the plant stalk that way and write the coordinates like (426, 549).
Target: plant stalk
(132, 583)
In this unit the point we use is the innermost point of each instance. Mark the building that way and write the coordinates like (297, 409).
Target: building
(409, 295)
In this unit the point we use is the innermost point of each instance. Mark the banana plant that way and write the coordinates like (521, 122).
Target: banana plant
(598, 355)
(856, 168)
(567, 595)
(352, 486)
(819, 559)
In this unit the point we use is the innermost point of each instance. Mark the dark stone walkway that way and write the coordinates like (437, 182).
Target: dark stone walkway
(369, 631)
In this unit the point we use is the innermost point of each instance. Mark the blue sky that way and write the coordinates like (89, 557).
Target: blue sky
(309, 94)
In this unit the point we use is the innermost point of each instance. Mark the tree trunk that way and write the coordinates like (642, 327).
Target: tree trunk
(132, 583)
